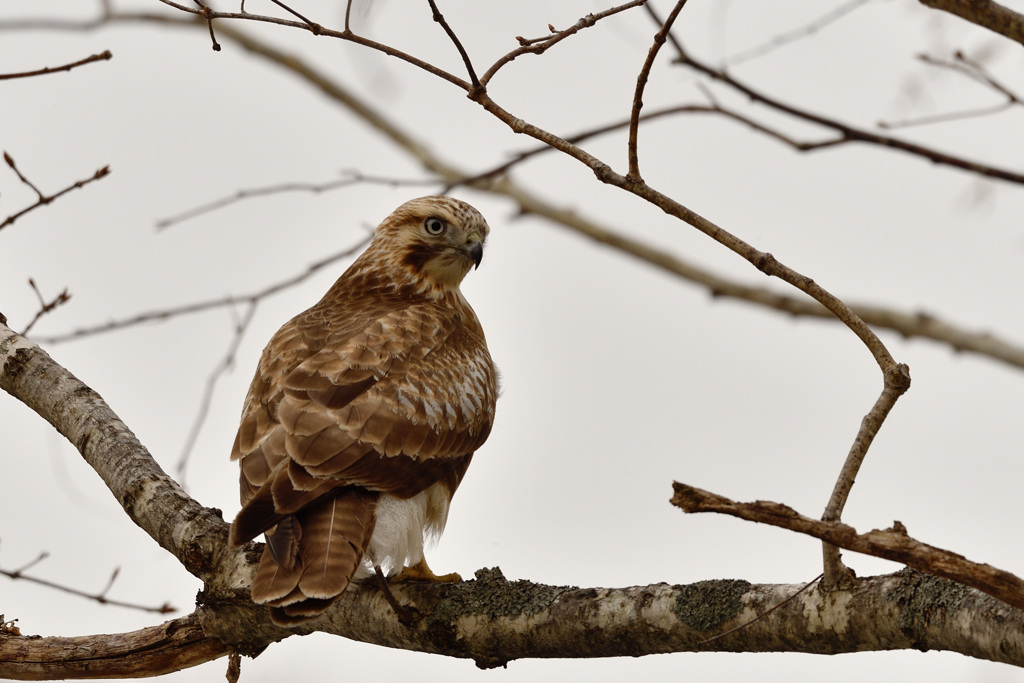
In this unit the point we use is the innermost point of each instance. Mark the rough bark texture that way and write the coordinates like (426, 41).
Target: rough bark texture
(991, 15)
(171, 646)
(490, 620)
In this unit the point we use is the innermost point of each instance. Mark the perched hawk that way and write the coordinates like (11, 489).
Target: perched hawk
(364, 414)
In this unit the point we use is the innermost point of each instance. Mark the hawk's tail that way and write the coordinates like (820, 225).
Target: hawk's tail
(310, 561)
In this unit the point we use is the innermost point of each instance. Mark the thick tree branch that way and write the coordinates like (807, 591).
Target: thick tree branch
(154, 502)
(985, 13)
(153, 651)
(494, 621)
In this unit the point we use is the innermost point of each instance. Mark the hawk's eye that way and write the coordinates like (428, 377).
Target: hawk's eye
(435, 226)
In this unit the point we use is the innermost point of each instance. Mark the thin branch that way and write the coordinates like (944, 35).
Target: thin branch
(352, 178)
(946, 117)
(763, 261)
(201, 306)
(897, 381)
(102, 56)
(44, 199)
(891, 544)
(209, 15)
(313, 26)
(226, 363)
(961, 64)
(439, 18)
(974, 70)
(100, 597)
(764, 614)
(540, 45)
(794, 35)
(846, 133)
(45, 306)
(907, 324)
(576, 139)
(641, 82)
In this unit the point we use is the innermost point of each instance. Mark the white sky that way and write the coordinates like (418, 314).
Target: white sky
(617, 378)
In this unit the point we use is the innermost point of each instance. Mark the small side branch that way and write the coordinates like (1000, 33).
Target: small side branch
(890, 544)
(100, 597)
(844, 133)
(44, 199)
(641, 84)
(44, 305)
(897, 381)
(99, 57)
(540, 45)
(201, 306)
(439, 18)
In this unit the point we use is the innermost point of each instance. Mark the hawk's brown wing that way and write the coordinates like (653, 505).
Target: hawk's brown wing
(343, 409)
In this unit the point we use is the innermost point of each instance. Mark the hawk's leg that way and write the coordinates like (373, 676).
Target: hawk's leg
(405, 614)
(421, 572)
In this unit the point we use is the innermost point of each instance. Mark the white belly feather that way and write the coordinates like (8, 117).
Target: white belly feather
(403, 527)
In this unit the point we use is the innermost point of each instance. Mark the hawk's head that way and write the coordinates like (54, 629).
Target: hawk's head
(432, 240)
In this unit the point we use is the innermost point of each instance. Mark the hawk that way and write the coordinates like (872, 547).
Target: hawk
(364, 414)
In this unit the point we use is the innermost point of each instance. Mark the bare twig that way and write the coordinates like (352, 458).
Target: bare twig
(764, 614)
(891, 544)
(101, 597)
(975, 71)
(44, 306)
(439, 18)
(845, 133)
(897, 381)
(352, 178)
(313, 26)
(788, 37)
(208, 15)
(641, 82)
(907, 324)
(43, 198)
(106, 54)
(540, 45)
(226, 363)
(198, 307)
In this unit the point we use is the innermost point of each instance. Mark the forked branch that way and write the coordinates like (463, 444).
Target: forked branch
(890, 544)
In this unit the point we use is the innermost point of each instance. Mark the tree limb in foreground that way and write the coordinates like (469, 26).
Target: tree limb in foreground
(494, 621)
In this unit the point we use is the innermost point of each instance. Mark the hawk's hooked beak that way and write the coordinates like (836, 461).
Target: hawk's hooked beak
(475, 251)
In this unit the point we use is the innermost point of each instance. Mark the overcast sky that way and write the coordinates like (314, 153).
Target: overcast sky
(618, 379)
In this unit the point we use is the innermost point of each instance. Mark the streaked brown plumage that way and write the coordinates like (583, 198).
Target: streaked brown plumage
(365, 412)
